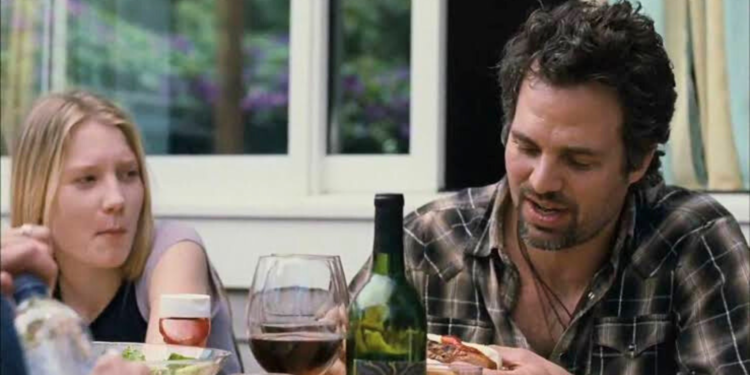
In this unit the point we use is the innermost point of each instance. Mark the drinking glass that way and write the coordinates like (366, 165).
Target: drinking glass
(296, 313)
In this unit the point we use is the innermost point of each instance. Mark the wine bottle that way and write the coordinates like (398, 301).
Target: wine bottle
(54, 338)
(387, 324)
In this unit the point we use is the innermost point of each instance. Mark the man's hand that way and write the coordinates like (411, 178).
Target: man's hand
(525, 362)
(113, 364)
(26, 249)
(338, 368)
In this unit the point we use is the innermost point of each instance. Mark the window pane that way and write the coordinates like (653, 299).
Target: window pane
(200, 76)
(369, 70)
(23, 26)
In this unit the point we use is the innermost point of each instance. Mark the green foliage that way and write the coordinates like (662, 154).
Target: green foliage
(167, 52)
(373, 90)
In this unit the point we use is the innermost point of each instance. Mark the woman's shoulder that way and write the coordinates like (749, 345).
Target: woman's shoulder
(169, 232)
(166, 234)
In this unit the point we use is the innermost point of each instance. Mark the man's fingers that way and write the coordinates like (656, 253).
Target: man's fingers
(113, 364)
(6, 283)
(338, 368)
(497, 372)
(511, 357)
(37, 232)
(30, 256)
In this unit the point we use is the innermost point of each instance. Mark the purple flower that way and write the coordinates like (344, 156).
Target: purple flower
(181, 44)
(205, 89)
(375, 112)
(247, 75)
(352, 84)
(404, 130)
(75, 7)
(281, 39)
(246, 104)
(254, 55)
(402, 73)
(283, 81)
(401, 104)
(19, 23)
(278, 99)
(264, 101)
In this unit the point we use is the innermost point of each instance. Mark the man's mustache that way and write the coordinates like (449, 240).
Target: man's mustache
(555, 198)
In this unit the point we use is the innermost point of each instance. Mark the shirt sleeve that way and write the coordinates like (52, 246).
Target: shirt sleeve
(712, 301)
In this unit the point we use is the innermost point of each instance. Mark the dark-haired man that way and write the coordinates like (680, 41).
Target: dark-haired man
(581, 260)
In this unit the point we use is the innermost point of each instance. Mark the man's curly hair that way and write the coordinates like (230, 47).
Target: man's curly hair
(615, 45)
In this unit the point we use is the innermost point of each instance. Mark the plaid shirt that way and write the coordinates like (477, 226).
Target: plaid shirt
(674, 297)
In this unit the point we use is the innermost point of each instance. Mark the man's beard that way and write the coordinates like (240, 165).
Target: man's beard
(567, 239)
(570, 235)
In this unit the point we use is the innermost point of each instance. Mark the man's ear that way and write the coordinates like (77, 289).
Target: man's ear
(638, 173)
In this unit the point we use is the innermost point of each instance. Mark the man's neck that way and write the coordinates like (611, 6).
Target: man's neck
(86, 289)
(567, 271)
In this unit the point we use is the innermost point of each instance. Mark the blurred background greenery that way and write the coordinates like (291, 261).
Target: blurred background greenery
(161, 61)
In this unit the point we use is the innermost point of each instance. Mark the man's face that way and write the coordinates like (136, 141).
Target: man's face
(565, 163)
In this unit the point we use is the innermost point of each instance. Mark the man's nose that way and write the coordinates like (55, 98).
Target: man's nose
(546, 177)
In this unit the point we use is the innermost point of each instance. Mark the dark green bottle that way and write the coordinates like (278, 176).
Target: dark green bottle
(387, 325)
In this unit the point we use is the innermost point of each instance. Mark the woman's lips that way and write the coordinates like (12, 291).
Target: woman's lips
(112, 232)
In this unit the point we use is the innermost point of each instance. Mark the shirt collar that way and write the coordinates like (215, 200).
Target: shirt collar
(651, 246)
(497, 229)
(447, 261)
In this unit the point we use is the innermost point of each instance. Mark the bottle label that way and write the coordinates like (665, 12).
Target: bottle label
(362, 367)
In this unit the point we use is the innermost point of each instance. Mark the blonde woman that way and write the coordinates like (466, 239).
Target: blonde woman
(80, 191)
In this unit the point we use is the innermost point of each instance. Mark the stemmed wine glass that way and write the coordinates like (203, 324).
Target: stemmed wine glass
(296, 313)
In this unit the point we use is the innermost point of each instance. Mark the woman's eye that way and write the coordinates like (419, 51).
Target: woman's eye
(86, 180)
(132, 173)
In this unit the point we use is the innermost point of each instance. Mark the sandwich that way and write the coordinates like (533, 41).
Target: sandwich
(449, 349)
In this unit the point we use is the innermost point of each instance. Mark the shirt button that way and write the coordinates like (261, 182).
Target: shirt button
(591, 295)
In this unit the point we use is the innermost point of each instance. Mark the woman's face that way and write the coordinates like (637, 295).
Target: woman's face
(99, 198)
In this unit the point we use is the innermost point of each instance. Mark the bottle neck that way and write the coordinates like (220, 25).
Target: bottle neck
(388, 248)
(27, 287)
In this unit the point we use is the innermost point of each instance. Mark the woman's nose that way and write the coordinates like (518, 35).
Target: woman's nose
(114, 200)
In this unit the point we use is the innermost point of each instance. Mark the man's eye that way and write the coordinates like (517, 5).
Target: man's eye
(528, 150)
(579, 165)
(525, 148)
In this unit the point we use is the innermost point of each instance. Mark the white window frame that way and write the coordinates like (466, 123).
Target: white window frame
(422, 170)
(306, 175)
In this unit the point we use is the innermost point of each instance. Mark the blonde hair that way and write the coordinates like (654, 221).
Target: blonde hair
(39, 151)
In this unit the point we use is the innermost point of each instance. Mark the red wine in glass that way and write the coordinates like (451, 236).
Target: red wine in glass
(298, 353)
(296, 313)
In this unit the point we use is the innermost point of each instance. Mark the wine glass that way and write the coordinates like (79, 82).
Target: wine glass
(296, 313)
